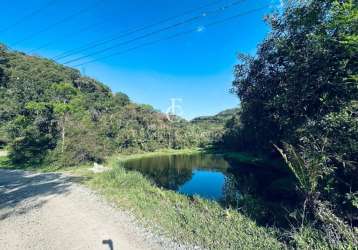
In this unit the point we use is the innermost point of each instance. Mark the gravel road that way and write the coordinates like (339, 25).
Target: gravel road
(51, 211)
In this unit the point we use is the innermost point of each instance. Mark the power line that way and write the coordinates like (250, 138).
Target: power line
(73, 32)
(28, 16)
(175, 35)
(49, 27)
(192, 19)
(98, 43)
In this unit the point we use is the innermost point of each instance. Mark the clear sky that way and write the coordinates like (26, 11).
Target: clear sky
(196, 67)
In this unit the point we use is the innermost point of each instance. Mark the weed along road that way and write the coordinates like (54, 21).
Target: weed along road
(51, 211)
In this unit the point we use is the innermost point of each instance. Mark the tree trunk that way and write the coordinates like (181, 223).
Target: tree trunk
(63, 133)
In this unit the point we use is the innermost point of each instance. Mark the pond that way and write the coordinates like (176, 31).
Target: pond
(262, 191)
(211, 176)
(203, 175)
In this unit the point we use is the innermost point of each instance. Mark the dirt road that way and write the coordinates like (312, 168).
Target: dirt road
(51, 211)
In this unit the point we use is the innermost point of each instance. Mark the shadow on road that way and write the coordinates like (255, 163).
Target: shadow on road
(109, 243)
(26, 191)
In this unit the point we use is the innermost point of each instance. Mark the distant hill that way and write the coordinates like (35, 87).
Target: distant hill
(217, 121)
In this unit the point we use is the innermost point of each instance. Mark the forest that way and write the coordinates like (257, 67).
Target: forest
(298, 104)
(299, 98)
(52, 115)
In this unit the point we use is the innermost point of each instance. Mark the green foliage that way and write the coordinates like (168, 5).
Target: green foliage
(232, 133)
(212, 127)
(309, 238)
(302, 89)
(306, 172)
(218, 120)
(303, 71)
(52, 115)
(121, 99)
(190, 220)
(31, 137)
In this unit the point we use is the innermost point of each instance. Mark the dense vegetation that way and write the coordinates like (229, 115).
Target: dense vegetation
(299, 97)
(219, 120)
(213, 126)
(299, 103)
(51, 114)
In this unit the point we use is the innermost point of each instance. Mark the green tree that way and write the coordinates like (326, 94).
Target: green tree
(52, 113)
(303, 71)
(64, 93)
(302, 89)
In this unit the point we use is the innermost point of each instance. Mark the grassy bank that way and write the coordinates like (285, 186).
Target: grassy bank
(192, 220)
(124, 157)
(237, 157)
(5, 163)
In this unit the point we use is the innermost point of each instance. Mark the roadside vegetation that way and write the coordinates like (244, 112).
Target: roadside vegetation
(298, 111)
(299, 97)
(51, 115)
(191, 220)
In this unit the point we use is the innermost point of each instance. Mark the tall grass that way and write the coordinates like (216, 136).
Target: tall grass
(308, 171)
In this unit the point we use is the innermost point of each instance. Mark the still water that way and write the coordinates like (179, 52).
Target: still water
(263, 192)
(203, 175)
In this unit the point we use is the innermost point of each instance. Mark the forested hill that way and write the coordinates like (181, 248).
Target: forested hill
(50, 113)
(216, 122)
(219, 119)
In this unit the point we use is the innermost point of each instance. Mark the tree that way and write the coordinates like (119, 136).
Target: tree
(31, 135)
(302, 89)
(3, 65)
(64, 93)
(303, 71)
(51, 113)
(121, 99)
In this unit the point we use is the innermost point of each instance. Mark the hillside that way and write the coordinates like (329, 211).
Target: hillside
(51, 113)
(218, 120)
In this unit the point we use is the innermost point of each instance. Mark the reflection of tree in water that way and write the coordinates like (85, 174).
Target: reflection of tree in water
(172, 171)
(231, 194)
(261, 181)
(260, 192)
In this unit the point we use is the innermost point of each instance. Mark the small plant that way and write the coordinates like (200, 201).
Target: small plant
(308, 172)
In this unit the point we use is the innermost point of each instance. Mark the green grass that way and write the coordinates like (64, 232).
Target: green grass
(124, 157)
(5, 163)
(194, 221)
(191, 220)
(238, 157)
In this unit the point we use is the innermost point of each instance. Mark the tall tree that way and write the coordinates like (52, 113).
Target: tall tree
(302, 89)
(64, 93)
(304, 70)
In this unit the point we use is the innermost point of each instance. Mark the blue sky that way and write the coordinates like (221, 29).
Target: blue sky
(197, 67)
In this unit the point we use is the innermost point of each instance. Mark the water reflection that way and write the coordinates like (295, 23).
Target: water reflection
(262, 192)
(200, 174)
(207, 184)
(214, 177)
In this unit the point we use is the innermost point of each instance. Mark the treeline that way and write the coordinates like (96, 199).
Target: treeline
(217, 121)
(299, 97)
(50, 114)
